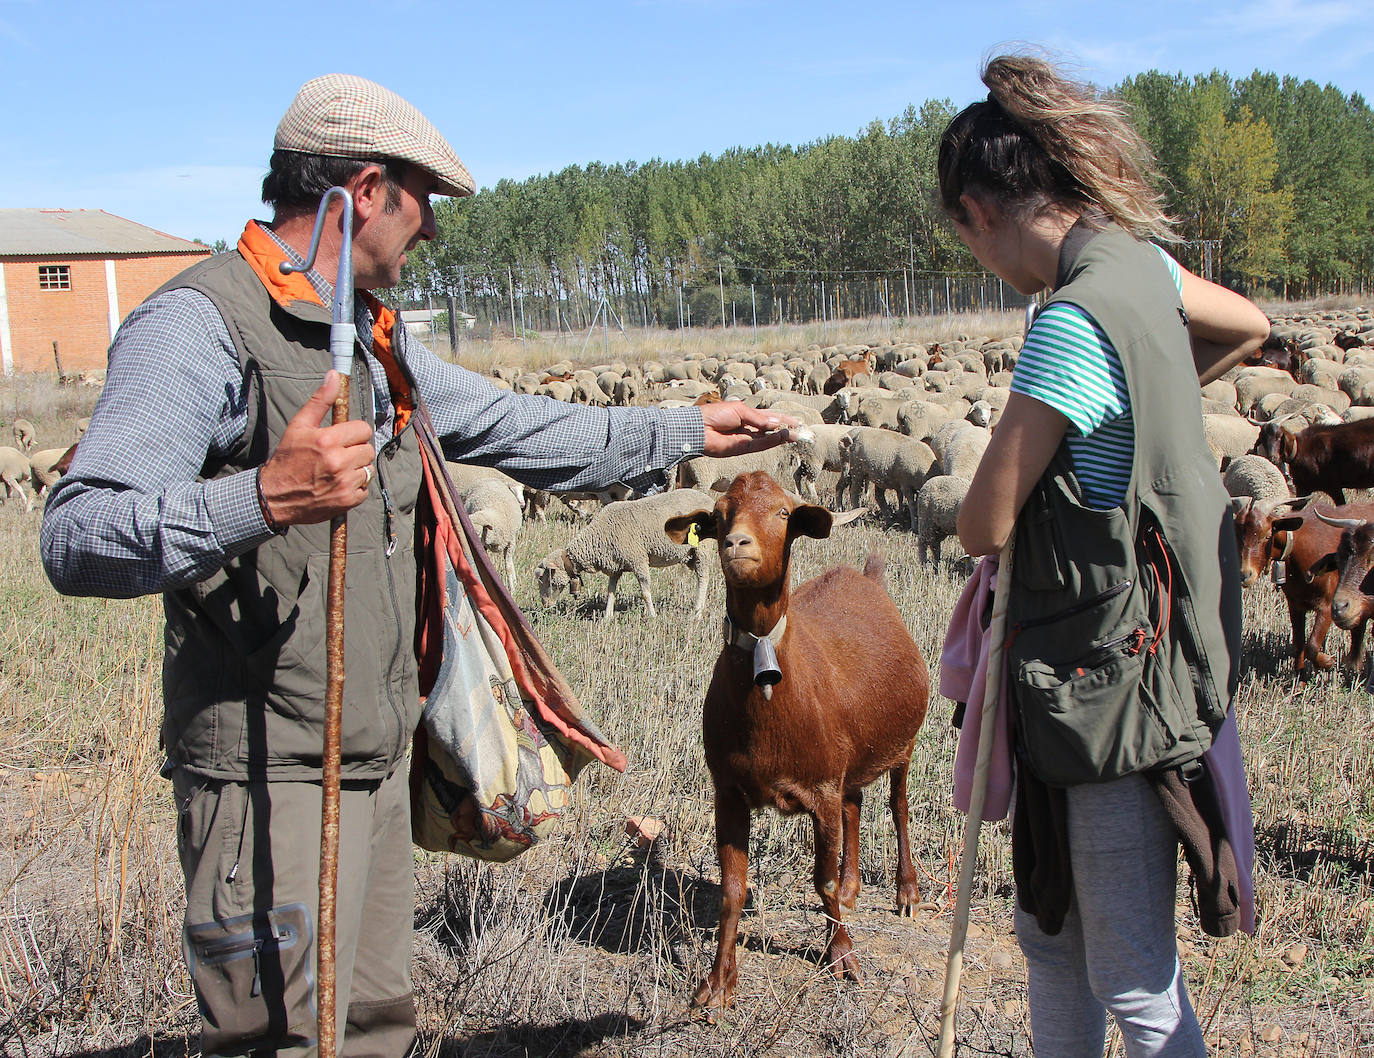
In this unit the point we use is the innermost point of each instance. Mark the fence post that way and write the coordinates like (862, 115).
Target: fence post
(754, 309)
(452, 325)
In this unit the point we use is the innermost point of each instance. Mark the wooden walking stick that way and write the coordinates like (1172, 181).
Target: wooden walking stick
(342, 336)
(973, 824)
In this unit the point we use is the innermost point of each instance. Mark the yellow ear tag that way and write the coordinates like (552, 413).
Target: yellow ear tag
(693, 535)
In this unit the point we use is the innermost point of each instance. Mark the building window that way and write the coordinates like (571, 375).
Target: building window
(54, 277)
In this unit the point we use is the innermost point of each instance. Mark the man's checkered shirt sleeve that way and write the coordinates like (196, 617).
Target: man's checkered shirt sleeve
(132, 516)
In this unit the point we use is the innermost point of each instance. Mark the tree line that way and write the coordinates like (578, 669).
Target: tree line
(1271, 177)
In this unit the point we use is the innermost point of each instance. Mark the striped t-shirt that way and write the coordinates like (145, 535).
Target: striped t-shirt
(1069, 363)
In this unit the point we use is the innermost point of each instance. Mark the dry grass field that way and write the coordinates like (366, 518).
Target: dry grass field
(586, 946)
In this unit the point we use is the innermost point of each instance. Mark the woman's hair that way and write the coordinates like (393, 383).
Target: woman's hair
(1041, 140)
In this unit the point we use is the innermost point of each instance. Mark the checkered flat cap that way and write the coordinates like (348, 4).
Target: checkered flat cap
(343, 116)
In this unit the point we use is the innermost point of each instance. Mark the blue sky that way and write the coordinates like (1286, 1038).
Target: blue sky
(164, 112)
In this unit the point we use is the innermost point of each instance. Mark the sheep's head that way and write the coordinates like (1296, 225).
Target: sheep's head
(554, 576)
(753, 524)
(979, 413)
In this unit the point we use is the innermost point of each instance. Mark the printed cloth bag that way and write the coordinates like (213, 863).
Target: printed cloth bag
(502, 737)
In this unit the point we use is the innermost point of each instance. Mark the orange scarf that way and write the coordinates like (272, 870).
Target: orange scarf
(263, 254)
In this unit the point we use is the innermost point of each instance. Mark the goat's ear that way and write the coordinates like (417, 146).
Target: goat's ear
(679, 527)
(1326, 564)
(1288, 446)
(810, 520)
(1292, 521)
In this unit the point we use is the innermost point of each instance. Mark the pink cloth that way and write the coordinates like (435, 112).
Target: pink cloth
(963, 677)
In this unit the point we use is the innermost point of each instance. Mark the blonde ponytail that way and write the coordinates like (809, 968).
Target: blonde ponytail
(1043, 139)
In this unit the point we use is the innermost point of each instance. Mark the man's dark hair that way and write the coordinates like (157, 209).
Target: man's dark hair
(295, 182)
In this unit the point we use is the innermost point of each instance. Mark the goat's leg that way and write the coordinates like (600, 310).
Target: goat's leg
(908, 889)
(611, 582)
(1355, 659)
(849, 861)
(828, 817)
(1316, 642)
(732, 849)
(880, 492)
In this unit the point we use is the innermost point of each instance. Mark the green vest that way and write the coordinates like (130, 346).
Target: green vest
(1102, 684)
(244, 670)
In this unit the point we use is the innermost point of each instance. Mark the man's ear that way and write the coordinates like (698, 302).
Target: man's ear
(368, 188)
(680, 527)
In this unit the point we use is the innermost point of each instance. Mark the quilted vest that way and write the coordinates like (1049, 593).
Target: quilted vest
(1080, 578)
(244, 667)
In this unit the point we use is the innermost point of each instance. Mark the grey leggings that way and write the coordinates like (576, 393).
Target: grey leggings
(1117, 950)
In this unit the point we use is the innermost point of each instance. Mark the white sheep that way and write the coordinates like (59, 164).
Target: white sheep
(714, 473)
(963, 451)
(24, 435)
(627, 537)
(937, 509)
(1229, 436)
(886, 460)
(921, 418)
(1256, 477)
(497, 513)
(43, 468)
(14, 471)
(821, 451)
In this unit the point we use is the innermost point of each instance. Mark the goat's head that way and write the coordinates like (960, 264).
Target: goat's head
(754, 524)
(1353, 601)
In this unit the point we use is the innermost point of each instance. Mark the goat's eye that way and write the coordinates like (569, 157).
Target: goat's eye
(784, 513)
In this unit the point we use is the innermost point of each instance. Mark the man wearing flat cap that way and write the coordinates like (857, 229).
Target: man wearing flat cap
(206, 475)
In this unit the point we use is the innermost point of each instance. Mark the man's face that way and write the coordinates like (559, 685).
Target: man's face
(382, 242)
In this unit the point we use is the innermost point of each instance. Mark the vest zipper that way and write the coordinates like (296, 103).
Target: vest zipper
(402, 736)
(1075, 609)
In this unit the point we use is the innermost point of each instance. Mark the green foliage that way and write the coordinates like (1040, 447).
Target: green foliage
(1281, 171)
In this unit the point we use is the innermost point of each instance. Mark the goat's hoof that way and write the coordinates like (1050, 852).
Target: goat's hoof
(908, 899)
(845, 967)
(709, 998)
(1325, 662)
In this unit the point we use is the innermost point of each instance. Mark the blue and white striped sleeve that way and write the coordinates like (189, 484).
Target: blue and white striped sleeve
(1068, 363)
(131, 517)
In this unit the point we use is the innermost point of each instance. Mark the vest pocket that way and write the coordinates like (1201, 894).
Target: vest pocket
(1111, 712)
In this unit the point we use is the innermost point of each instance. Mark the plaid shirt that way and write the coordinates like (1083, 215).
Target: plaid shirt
(134, 516)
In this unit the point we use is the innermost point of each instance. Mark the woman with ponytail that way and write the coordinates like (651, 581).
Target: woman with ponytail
(1100, 447)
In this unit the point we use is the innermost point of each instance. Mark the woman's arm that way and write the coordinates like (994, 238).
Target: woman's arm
(1026, 439)
(1225, 327)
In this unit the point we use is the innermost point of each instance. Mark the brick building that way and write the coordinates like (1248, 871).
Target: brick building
(70, 276)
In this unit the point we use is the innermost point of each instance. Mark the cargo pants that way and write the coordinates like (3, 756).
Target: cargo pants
(250, 856)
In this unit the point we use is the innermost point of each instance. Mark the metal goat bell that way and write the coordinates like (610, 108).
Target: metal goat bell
(766, 670)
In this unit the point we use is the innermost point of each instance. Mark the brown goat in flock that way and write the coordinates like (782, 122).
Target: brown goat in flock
(851, 695)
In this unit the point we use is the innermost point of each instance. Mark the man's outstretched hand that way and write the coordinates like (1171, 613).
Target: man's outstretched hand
(733, 428)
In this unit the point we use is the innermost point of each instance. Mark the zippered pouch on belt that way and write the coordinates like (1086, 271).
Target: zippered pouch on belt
(255, 979)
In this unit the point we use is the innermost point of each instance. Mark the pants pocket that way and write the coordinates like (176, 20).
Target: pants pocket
(254, 980)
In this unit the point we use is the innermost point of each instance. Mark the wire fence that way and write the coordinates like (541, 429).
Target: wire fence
(496, 306)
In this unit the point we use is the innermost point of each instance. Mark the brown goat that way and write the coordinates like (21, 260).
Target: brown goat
(1331, 459)
(846, 373)
(851, 695)
(1311, 578)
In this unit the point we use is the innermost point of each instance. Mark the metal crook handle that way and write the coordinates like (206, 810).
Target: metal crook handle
(342, 331)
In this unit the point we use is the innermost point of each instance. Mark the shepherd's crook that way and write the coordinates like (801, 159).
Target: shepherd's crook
(342, 334)
(992, 689)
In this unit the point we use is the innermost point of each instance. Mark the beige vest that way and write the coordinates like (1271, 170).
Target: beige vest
(244, 670)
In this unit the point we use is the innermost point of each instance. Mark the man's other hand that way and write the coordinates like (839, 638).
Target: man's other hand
(733, 428)
(317, 471)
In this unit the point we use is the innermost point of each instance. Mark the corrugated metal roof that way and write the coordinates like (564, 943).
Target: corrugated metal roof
(69, 232)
